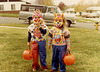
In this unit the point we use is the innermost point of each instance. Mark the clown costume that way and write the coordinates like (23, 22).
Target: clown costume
(36, 34)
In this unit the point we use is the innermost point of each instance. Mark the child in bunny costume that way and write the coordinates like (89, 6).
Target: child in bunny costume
(59, 36)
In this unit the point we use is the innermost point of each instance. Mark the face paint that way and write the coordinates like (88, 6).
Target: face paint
(58, 20)
(37, 17)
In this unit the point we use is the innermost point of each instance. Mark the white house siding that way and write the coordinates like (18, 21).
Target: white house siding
(93, 9)
(7, 5)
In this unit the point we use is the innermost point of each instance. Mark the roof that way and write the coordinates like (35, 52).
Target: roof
(70, 9)
(32, 5)
(93, 8)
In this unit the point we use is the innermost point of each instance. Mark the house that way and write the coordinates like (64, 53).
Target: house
(93, 9)
(10, 6)
(70, 10)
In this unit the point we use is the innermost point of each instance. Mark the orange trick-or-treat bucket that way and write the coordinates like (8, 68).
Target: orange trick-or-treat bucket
(27, 54)
(69, 59)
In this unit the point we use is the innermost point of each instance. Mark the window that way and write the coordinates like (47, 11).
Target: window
(51, 10)
(24, 8)
(32, 9)
(39, 8)
(12, 6)
(1, 7)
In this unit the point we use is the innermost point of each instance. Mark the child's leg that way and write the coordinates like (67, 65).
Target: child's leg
(34, 47)
(42, 53)
(55, 58)
(62, 52)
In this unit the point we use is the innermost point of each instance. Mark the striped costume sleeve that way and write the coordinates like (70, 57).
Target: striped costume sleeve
(67, 36)
(49, 41)
(50, 36)
(67, 41)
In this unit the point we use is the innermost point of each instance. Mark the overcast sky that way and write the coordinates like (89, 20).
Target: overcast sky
(67, 2)
(71, 2)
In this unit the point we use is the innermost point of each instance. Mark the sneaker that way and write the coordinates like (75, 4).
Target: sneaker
(45, 70)
(53, 70)
(42, 67)
(37, 67)
(46, 67)
(34, 70)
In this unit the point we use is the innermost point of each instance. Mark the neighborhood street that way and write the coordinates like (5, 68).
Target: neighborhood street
(4, 20)
(84, 25)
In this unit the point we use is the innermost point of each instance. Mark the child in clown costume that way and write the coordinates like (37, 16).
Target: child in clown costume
(36, 34)
(59, 36)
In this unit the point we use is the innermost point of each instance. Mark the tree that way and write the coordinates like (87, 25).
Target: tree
(98, 3)
(62, 6)
(81, 6)
(45, 2)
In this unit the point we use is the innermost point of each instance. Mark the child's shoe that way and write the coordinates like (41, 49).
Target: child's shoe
(53, 70)
(34, 70)
(45, 68)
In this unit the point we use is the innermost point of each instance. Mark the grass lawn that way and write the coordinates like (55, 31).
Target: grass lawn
(85, 45)
(8, 15)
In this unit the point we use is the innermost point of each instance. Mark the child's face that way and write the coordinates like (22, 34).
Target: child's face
(37, 17)
(58, 20)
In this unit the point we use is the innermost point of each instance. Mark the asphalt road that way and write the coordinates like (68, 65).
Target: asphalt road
(84, 25)
(4, 20)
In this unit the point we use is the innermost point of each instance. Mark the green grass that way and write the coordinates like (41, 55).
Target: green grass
(15, 25)
(9, 15)
(85, 45)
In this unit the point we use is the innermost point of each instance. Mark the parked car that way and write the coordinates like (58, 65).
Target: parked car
(84, 14)
(92, 15)
(98, 12)
(27, 10)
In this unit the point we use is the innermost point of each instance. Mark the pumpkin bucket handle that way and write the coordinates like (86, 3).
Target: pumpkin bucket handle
(68, 52)
(28, 47)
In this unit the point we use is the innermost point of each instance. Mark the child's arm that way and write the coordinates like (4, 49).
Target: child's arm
(67, 42)
(29, 38)
(50, 40)
(43, 31)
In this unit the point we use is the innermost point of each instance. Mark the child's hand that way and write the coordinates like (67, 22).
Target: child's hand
(28, 44)
(48, 46)
(68, 49)
(38, 24)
